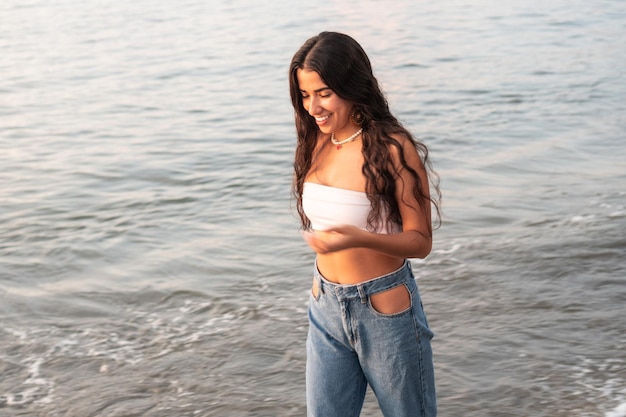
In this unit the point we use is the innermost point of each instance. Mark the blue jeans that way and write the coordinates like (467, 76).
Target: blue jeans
(351, 345)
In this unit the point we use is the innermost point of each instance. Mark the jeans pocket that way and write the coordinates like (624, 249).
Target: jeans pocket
(315, 290)
(421, 322)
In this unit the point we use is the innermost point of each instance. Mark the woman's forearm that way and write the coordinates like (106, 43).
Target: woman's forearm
(407, 244)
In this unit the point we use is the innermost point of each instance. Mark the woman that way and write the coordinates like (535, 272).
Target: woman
(362, 190)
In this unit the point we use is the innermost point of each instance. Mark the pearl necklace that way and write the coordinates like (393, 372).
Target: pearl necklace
(340, 143)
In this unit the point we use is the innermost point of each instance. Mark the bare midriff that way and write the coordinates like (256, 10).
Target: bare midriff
(353, 266)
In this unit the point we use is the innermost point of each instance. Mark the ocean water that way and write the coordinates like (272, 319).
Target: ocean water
(150, 259)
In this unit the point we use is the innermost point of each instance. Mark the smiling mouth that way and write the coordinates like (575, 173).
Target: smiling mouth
(321, 119)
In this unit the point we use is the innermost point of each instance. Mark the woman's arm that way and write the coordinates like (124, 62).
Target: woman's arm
(407, 244)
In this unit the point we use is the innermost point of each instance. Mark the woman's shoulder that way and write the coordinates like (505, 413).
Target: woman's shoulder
(402, 142)
(402, 137)
(406, 150)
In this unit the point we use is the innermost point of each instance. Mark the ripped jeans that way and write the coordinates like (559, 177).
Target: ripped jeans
(350, 345)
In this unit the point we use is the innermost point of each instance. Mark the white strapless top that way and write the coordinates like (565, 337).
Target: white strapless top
(327, 206)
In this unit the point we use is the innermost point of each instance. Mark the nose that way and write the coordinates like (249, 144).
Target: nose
(314, 106)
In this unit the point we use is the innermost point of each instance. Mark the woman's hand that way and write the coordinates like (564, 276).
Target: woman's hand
(334, 239)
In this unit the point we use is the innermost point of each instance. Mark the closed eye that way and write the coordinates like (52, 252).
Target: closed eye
(321, 92)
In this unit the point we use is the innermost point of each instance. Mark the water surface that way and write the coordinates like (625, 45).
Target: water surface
(150, 258)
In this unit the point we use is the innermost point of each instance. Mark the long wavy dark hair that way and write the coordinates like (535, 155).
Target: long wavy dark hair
(344, 66)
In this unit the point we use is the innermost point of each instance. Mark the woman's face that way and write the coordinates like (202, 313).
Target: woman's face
(331, 112)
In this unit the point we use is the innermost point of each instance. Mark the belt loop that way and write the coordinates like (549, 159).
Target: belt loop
(362, 294)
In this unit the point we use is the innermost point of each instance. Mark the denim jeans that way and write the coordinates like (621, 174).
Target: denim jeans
(351, 345)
